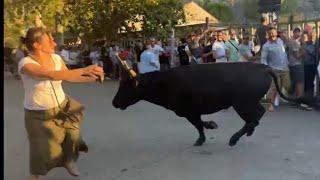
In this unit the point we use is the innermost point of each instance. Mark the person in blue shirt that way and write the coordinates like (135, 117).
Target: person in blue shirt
(149, 61)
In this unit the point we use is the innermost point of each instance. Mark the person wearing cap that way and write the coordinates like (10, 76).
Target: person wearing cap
(274, 55)
(295, 56)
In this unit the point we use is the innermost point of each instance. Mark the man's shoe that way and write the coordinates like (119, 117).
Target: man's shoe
(306, 107)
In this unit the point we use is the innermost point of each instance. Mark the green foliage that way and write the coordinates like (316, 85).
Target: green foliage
(159, 17)
(289, 7)
(93, 18)
(251, 10)
(20, 15)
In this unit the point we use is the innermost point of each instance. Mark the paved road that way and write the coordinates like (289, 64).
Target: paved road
(147, 142)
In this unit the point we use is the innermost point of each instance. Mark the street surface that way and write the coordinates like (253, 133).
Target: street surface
(148, 142)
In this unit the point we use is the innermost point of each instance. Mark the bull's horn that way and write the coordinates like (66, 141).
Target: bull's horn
(127, 68)
(131, 71)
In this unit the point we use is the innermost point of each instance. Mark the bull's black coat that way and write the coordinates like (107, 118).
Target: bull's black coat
(194, 90)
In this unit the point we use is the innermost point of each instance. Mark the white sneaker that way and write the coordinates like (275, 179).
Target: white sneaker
(306, 107)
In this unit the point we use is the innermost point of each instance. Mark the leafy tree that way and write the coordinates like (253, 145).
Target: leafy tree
(92, 18)
(251, 10)
(21, 14)
(289, 7)
(105, 19)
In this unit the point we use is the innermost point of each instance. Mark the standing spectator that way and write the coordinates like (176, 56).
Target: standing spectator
(225, 37)
(94, 55)
(310, 64)
(164, 58)
(172, 52)
(219, 50)
(85, 56)
(123, 54)
(148, 61)
(274, 55)
(65, 54)
(7, 57)
(74, 57)
(195, 47)
(261, 34)
(137, 50)
(156, 49)
(114, 56)
(128, 56)
(106, 62)
(207, 51)
(17, 55)
(184, 53)
(245, 50)
(233, 46)
(295, 55)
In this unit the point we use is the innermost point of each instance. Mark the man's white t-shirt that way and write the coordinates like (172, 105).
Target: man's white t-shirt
(38, 94)
(220, 49)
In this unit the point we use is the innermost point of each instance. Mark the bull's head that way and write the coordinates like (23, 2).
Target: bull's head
(127, 92)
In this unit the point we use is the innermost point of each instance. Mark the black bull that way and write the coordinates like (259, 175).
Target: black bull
(192, 91)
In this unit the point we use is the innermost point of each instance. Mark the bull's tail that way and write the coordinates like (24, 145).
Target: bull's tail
(275, 79)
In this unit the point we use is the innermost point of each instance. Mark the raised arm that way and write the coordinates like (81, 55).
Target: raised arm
(81, 75)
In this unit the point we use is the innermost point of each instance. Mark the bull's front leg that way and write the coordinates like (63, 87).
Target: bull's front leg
(195, 120)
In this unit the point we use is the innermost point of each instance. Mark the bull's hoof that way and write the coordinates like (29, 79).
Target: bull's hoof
(234, 139)
(199, 142)
(210, 125)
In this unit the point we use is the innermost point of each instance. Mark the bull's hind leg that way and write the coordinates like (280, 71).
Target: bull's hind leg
(197, 123)
(251, 114)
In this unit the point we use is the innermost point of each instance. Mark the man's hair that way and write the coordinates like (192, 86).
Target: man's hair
(246, 34)
(272, 28)
(183, 40)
